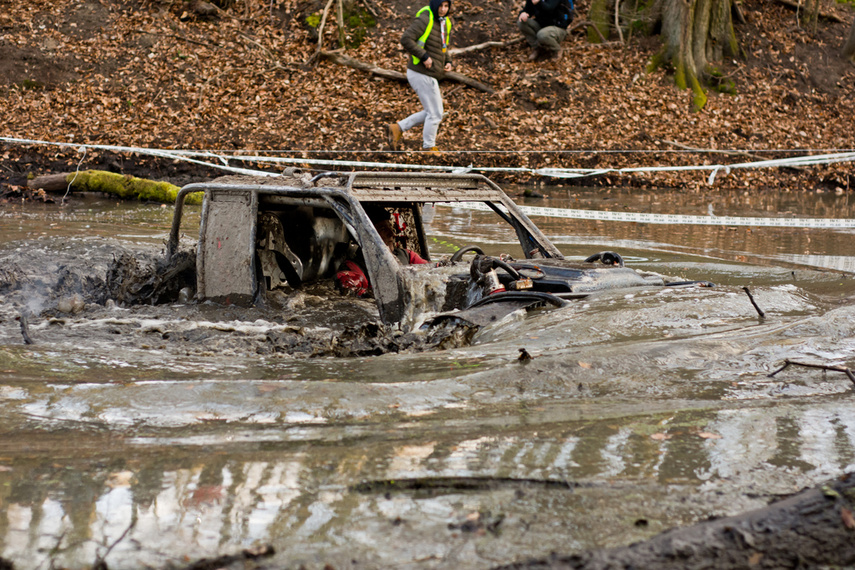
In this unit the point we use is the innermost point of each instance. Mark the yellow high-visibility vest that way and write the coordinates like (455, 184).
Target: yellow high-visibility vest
(423, 39)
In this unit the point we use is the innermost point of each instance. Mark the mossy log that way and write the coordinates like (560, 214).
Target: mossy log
(121, 185)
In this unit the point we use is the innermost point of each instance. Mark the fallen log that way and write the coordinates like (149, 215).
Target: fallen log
(813, 528)
(120, 185)
(50, 182)
(822, 14)
(341, 59)
(485, 45)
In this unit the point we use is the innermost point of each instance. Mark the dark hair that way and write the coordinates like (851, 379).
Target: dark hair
(377, 213)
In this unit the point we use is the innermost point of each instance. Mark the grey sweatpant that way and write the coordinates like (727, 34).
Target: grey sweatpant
(427, 89)
(548, 38)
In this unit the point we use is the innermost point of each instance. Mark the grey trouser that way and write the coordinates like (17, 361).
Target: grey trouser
(427, 89)
(548, 38)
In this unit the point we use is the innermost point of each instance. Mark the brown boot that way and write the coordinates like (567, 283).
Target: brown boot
(394, 134)
(535, 53)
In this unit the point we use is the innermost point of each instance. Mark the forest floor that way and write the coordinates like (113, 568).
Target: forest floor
(156, 74)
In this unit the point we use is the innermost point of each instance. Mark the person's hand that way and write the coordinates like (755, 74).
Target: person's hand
(535, 2)
(523, 16)
(448, 66)
(428, 62)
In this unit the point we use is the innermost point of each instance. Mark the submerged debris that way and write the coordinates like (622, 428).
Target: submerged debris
(152, 281)
(789, 362)
(368, 339)
(25, 328)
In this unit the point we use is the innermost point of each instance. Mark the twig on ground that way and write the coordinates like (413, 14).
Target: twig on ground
(753, 302)
(789, 362)
(453, 91)
(369, 5)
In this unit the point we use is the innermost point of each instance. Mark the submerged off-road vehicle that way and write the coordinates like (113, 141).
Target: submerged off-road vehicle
(259, 234)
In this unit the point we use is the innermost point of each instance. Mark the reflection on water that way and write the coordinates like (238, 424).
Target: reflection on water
(158, 505)
(119, 441)
(823, 248)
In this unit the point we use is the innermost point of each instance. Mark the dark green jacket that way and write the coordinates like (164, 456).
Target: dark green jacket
(433, 44)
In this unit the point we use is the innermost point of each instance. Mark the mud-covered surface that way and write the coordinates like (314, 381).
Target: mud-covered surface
(157, 435)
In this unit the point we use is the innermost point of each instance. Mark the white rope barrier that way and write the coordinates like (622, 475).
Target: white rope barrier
(645, 218)
(566, 173)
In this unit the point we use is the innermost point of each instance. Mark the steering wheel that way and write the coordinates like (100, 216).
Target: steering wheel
(464, 250)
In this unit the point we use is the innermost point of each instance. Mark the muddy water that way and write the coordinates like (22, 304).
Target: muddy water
(160, 435)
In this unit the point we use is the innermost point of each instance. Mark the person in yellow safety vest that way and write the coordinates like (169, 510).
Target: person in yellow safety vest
(427, 41)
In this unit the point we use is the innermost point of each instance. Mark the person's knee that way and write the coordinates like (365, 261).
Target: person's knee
(548, 38)
(433, 118)
(527, 28)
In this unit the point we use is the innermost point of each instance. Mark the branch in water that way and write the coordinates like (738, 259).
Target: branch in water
(753, 302)
(789, 362)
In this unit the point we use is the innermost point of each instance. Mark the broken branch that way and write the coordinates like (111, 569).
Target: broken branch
(25, 328)
(321, 32)
(341, 59)
(789, 362)
(485, 45)
(825, 15)
(753, 302)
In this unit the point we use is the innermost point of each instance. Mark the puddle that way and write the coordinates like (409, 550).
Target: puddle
(157, 435)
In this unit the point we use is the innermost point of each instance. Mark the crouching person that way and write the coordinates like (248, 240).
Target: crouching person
(544, 25)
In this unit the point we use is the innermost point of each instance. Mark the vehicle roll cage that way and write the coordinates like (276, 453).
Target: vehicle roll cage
(235, 203)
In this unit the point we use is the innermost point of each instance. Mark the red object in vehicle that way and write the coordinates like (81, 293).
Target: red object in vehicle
(353, 280)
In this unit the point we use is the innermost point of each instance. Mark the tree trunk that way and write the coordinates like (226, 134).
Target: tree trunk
(722, 35)
(340, 23)
(599, 15)
(695, 33)
(849, 47)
